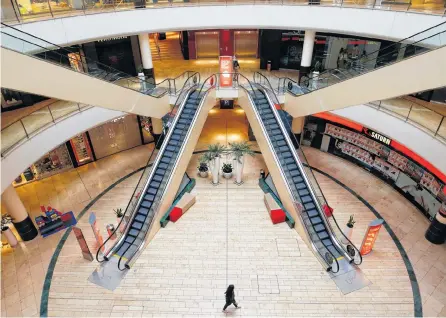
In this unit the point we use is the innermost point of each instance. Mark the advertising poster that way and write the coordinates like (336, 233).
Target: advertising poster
(226, 71)
(414, 171)
(429, 181)
(96, 231)
(370, 236)
(386, 168)
(82, 243)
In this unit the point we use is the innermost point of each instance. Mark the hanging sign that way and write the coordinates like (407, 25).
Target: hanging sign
(82, 243)
(370, 236)
(96, 231)
(226, 71)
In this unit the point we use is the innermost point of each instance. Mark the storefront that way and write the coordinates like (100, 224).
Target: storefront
(207, 44)
(120, 53)
(376, 153)
(80, 150)
(117, 135)
(56, 161)
(146, 129)
(246, 44)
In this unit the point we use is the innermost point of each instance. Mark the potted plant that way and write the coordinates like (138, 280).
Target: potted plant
(6, 231)
(214, 152)
(203, 167)
(119, 215)
(238, 151)
(227, 170)
(348, 230)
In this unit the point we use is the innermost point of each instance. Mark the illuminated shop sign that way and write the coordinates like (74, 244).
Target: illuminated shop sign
(226, 71)
(377, 136)
(370, 236)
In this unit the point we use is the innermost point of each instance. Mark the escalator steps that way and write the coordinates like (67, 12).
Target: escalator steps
(157, 178)
(161, 171)
(152, 190)
(165, 160)
(149, 198)
(137, 225)
(123, 248)
(146, 203)
(286, 154)
(155, 184)
(130, 239)
(297, 180)
(301, 186)
(304, 192)
(312, 213)
(323, 235)
(319, 228)
(143, 211)
(133, 232)
(315, 220)
(140, 218)
(294, 173)
(309, 206)
(306, 199)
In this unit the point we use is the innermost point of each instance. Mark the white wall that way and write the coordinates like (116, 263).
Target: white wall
(382, 24)
(412, 137)
(33, 149)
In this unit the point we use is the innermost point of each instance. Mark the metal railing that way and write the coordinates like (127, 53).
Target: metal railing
(339, 237)
(418, 43)
(143, 181)
(30, 125)
(28, 44)
(414, 113)
(47, 9)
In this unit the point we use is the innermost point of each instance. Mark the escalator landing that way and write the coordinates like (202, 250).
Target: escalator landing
(107, 275)
(349, 278)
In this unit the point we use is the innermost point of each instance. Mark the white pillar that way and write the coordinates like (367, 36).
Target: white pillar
(20, 218)
(146, 54)
(307, 52)
(14, 205)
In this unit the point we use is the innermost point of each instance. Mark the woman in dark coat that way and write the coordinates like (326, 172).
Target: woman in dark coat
(230, 297)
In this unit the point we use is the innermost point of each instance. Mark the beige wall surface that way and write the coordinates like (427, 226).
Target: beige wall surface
(416, 74)
(32, 75)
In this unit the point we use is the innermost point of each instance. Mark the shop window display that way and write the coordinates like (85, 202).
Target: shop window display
(146, 129)
(82, 150)
(417, 184)
(56, 161)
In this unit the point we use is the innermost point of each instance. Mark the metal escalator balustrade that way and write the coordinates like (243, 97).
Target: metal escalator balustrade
(139, 194)
(28, 44)
(418, 43)
(342, 243)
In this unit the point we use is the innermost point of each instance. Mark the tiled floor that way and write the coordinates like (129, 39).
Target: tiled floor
(184, 270)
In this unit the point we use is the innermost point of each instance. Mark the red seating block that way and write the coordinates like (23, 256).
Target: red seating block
(327, 210)
(175, 214)
(277, 216)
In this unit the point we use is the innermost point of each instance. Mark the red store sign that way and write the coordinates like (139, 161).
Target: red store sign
(370, 236)
(226, 71)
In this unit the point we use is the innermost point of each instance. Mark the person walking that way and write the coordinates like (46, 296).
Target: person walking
(230, 298)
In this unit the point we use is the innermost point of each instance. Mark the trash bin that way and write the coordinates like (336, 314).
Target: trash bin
(268, 66)
(110, 230)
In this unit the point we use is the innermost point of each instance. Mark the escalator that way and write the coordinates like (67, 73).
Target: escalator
(82, 77)
(414, 64)
(155, 181)
(324, 234)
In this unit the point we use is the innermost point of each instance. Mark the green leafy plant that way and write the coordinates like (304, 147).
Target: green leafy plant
(239, 149)
(203, 167)
(351, 222)
(216, 150)
(227, 168)
(6, 219)
(118, 212)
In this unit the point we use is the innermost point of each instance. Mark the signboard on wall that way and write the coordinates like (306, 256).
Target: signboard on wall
(370, 236)
(226, 71)
(377, 136)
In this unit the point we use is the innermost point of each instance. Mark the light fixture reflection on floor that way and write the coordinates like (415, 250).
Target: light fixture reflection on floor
(212, 111)
(240, 111)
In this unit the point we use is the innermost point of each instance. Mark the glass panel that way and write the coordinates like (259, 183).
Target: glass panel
(425, 117)
(11, 135)
(442, 130)
(397, 106)
(61, 109)
(37, 120)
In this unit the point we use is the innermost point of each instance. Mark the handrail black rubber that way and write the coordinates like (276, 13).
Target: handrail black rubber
(293, 137)
(140, 178)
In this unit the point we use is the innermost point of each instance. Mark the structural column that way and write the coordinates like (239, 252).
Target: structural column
(146, 57)
(296, 128)
(307, 53)
(436, 233)
(157, 132)
(20, 218)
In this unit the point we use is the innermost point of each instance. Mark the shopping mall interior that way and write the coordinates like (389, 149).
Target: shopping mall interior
(184, 159)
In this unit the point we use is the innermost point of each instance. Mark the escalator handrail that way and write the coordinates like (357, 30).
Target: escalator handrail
(298, 162)
(108, 253)
(290, 192)
(68, 51)
(86, 73)
(313, 192)
(155, 204)
(368, 56)
(186, 133)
